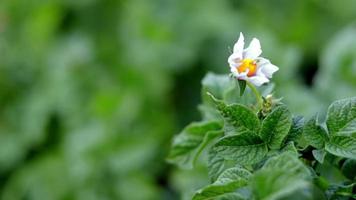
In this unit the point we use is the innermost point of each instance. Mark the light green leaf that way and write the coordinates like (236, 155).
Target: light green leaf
(319, 155)
(343, 146)
(314, 134)
(217, 85)
(280, 176)
(240, 117)
(341, 117)
(242, 149)
(275, 127)
(190, 142)
(230, 180)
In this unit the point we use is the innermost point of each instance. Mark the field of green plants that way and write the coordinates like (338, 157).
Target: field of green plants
(95, 96)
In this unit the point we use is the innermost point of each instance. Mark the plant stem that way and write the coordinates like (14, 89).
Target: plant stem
(257, 94)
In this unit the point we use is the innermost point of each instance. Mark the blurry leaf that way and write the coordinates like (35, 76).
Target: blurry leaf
(341, 117)
(314, 134)
(231, 196)
(341, 191)
(227, 182)
(319, 155)
(216, 85)
(239, 116)
(343, 146)
(290, 148)
(242, 85)
(242, 149)
(275, 127)
(280, 177)
(191, 141)
(349, 169)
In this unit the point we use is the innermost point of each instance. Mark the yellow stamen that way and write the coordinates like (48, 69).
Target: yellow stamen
(248, 64)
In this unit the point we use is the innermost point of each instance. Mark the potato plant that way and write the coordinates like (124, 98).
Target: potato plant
(266, 152)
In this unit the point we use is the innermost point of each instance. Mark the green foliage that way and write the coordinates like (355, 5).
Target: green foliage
(187, 145)
(277, 155)
(341, 117)
(230, 180)
(275, 127)
(314, 134)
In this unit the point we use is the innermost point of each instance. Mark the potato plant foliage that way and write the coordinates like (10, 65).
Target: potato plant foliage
(268, 153)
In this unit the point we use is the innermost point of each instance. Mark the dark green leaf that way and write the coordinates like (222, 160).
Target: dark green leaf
(280, 176)
(296, 130)
(341, 117)
(240, 117)
(349, 169)
(235, 149)
(230, 180)
(242, 86)
(343, 146)
(275, 127)
(314, 134)
(190, 142)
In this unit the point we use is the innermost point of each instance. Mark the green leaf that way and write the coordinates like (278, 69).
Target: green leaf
(341, 191)
(242, 149)
(231, 196)
(349, 169)
(190, 142)
(279, 177)
(314, 134)
(230, 180)
(240, 117)
(341, 117)
(343, 146)
(319, 155)
(275, 127)
(217, 85)
(296, 130)
(242, 86)
(290, 148)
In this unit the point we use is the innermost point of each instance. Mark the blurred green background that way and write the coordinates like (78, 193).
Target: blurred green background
(92, 91)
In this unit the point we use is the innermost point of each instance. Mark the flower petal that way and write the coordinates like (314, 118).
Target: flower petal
(253, 50)
(234, 60)
(258, 80)
(266, 67)
(239, 46)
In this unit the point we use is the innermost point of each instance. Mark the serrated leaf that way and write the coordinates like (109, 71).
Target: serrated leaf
(314, 134)
(242, 149)
(341, 117)
(280, 176)
(275, 127)
(186, 145)
(343, 146)
(240, 117)
(242, 86)
(296, 130)
(230, 180)
(319, 155)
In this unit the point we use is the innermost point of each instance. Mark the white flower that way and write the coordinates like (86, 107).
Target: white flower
(245, 64)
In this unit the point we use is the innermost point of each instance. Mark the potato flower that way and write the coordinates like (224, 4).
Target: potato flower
(245, 64)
